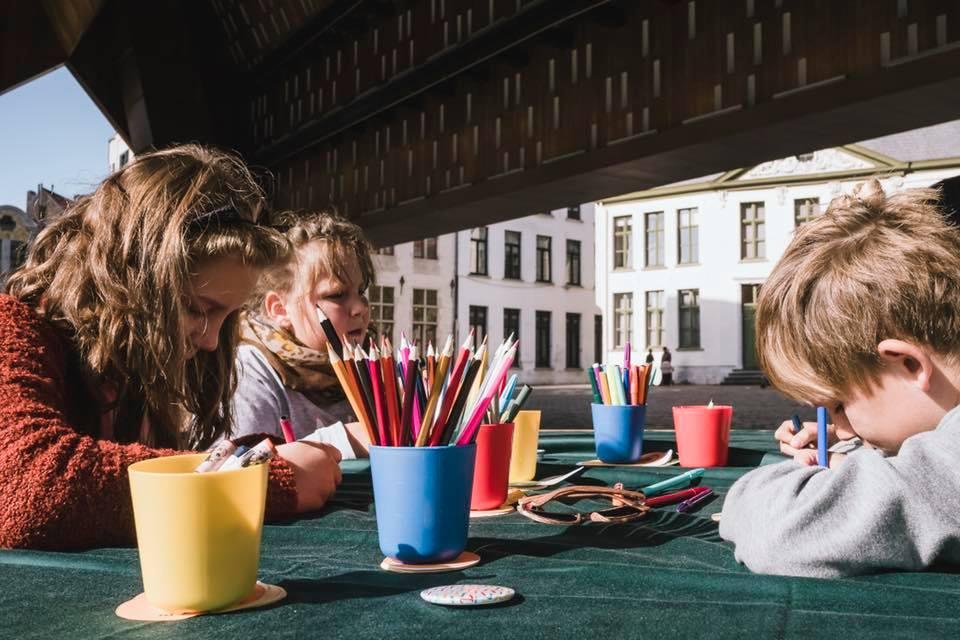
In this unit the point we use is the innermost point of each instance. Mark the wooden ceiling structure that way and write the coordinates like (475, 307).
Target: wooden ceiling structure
(418, 117)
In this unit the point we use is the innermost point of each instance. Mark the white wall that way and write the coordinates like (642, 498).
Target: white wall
(419, 273)
(530, 296)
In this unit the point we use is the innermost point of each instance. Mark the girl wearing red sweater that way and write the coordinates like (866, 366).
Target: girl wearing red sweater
(117, 343)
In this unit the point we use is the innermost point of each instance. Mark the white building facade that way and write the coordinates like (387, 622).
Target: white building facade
(681, 266)
(118, 153)
(531, 276)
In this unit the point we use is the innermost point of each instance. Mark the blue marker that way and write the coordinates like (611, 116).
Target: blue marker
(671, 483)
(822, 436)
(797, 426)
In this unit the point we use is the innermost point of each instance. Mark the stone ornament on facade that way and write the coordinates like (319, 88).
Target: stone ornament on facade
(823, 161)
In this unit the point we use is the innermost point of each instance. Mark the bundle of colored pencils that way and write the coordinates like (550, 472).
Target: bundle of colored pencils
(615, 384)
(439, 399)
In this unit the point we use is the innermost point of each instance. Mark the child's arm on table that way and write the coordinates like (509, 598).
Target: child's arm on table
(869, 514)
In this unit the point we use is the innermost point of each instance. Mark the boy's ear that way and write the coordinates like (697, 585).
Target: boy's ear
(275, 309)
(909, 360)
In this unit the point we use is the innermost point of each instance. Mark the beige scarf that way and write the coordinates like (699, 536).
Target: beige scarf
(300, 368)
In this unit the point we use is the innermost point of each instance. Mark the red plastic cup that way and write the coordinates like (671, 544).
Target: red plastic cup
(492, 470)
(703, 434)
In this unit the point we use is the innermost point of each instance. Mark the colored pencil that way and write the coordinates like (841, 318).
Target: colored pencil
(388, 371)
(379, 401)
(461, 401)
(473, 423)
(409, 396)
(329, 331)
(350, 390)
(441, 374)
(450, 395)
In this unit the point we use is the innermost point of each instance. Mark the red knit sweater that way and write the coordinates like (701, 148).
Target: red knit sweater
(59, 487)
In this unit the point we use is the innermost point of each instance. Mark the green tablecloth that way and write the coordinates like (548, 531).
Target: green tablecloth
(667, 576)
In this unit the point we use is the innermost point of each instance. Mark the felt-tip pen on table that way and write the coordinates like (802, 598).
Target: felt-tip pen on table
(686, 505)
(675, 497)
(670, 483)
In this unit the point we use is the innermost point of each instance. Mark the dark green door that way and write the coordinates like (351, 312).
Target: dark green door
(748, 295)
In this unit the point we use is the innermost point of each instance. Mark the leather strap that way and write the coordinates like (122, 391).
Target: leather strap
(628, 505)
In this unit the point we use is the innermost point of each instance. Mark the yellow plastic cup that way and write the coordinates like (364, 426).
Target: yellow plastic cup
(198, 533)
(526, 435)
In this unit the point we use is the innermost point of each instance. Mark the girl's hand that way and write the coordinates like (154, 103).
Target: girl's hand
(316, 470)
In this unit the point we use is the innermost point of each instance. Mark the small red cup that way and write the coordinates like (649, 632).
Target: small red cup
(492, 470)
(703, 434)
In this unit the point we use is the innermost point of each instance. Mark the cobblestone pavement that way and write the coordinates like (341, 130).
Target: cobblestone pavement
(568, 407)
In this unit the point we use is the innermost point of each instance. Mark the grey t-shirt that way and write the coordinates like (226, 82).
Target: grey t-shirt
(872, 513)
(261, 398)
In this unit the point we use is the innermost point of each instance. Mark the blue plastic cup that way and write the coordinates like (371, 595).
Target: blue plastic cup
(422, 500)
(618, 432)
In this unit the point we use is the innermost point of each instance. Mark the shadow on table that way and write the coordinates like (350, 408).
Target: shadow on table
(374, 584)
(658, 528)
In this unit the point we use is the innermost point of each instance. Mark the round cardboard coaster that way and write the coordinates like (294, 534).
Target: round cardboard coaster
(464, 560)
(139, 609)
(492, 513)
(467, 595)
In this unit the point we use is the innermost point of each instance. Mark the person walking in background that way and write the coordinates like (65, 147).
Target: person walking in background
(666, 366)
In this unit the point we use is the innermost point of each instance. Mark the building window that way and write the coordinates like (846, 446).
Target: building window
(598, 338)
(544, 258)
(654, 318)
(622, 228)
(425, 315)
(573, 213)
(478, 251)
(622, 319)
(805, 210)
(478, 322)
(543, 339)
(511, 324)
(573, 262)
(7, 223)
(653, 229)
(511, 255)
(573, 341)
(385, 251)
(381, 310)
(124, 159)
(689, 318)
(753, 236)
(426, 248)
(688, 237)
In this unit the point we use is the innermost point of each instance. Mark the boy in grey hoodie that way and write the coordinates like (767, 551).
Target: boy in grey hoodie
(862, 316)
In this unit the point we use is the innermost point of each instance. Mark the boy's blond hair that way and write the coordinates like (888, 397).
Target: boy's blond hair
(872, 267)
(309, 262)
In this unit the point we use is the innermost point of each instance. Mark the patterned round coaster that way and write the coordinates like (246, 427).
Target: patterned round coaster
(139, 609)
(464, 560)
(467, 595)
